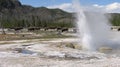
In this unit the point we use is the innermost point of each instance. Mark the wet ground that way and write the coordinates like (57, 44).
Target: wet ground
(53, 53)
(56, 52)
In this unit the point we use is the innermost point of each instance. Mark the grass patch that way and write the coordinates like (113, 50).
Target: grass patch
(36, 35)
(55, 36)
(6, 43)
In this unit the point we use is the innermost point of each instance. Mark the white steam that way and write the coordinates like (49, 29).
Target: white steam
(93, 27)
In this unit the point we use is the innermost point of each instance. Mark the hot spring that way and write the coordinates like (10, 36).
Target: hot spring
(94, 29)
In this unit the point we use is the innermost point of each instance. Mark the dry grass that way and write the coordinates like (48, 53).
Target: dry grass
(8, 37)
(43, 35)
(2, 43)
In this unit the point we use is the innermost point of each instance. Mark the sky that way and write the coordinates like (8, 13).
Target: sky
(102, 5)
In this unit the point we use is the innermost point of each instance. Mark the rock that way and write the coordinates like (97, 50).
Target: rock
(78, 47)
(105, 49)
(18, 50)
(70, 45)
(74, 46)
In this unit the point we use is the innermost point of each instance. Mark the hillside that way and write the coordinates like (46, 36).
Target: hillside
(14, 14)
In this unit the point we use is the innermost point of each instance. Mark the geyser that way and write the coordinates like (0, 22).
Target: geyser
(93, 27)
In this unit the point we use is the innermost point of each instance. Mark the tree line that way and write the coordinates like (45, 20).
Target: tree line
(31, 21)
(115, 19)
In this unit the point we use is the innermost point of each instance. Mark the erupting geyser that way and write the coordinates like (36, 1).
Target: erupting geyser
(93, 27)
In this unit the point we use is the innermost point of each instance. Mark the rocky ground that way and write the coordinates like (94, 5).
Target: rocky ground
(48, 49)
(60, 52)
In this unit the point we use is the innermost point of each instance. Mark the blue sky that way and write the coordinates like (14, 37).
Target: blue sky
(100, 5)
(38, 3)
(100, 2)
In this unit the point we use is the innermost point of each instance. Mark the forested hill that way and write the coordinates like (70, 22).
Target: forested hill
(115, 19)
(14, 14)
